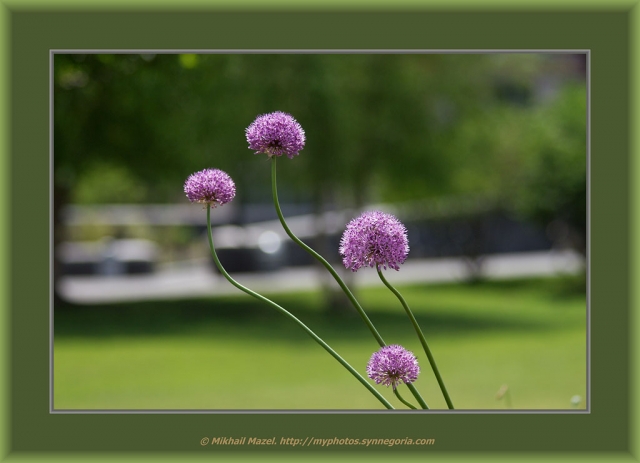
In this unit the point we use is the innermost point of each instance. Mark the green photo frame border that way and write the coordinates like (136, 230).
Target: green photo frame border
(30, 30)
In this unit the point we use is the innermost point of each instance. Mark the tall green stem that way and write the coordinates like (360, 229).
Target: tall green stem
(423, 341)
(315, 337)
(418, 397)
(319, 258)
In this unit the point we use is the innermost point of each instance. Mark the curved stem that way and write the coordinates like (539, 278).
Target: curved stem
(319, 258)
(423, 341)
(395, 391)
(315, 337)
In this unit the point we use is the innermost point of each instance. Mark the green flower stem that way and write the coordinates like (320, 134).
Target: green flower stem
(328, 266)
(422, 339)
(315, 337)
(418, 397)
(395, 391)
(319, 258)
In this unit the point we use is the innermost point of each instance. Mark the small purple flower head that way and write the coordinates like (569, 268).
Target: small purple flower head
(392, 365)
(276, 134)
(375, 239)
(210, 186)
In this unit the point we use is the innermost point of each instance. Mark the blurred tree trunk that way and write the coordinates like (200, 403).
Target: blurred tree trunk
(473, 249)
(335, 300)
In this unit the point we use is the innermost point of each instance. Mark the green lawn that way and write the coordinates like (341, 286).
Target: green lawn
(237, 353)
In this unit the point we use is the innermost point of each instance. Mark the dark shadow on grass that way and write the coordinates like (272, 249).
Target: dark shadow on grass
(245, 317)
(560, 288)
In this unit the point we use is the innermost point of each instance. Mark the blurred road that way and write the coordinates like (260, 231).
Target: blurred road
(195, 279)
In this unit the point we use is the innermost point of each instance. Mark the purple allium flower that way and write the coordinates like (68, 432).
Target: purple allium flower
(210, 186)
(276, 134)
(393, 364)
(375, 239)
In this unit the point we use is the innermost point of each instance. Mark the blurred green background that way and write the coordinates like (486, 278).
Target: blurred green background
(459, 136)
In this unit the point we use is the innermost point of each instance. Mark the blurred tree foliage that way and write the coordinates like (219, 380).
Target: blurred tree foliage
(530, 160)
(555, 178)
(511, 127)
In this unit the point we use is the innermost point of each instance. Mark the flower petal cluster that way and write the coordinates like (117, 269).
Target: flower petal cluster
(276, 134)
(375, 239)
(393, 364)
(210, 186)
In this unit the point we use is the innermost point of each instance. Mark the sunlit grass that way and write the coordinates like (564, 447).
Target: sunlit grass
(234, 353)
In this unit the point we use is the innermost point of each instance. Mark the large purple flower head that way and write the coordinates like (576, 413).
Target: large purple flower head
(276, 134)
(375, 239)
(392, 365)
(210, 186)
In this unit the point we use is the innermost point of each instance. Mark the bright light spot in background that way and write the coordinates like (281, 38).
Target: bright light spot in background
(269, 242)
(188, 61)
